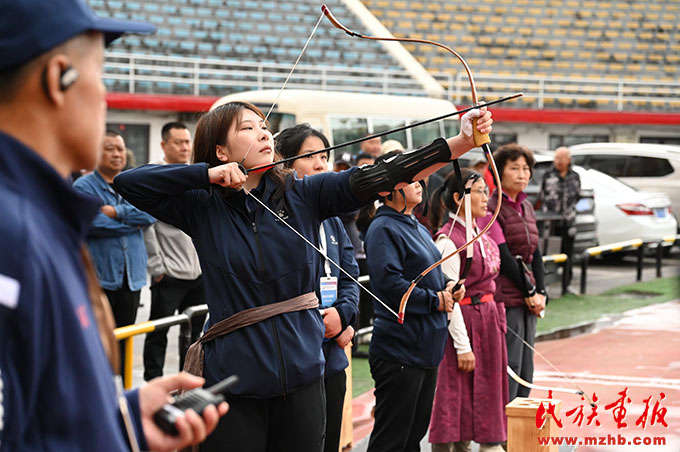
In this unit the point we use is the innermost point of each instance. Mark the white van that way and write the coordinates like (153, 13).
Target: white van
(648, 167)
(346, 116)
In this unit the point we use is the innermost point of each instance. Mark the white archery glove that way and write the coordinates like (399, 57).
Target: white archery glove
(466, 121)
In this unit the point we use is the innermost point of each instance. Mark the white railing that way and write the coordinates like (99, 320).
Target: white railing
(203, 76)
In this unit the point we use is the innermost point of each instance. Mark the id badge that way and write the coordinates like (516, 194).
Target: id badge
(329, 291)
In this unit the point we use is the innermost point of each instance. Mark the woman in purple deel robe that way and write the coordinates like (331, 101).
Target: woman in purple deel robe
(472, 386)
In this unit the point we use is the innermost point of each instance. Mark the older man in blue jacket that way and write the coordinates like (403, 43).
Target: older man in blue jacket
(56, 384)
(115, 238)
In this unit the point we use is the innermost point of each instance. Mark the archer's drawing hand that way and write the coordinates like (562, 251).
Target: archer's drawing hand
(227, 175)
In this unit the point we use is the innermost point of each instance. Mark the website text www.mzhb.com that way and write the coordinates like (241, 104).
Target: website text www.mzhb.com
(608, 440)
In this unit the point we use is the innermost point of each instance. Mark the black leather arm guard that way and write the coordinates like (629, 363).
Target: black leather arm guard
(368, 181)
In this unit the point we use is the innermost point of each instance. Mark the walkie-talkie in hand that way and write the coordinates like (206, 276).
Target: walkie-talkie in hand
(197, 399)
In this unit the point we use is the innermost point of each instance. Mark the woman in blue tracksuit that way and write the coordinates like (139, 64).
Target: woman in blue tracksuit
(339, 294)
(404, 358)
(251, 261)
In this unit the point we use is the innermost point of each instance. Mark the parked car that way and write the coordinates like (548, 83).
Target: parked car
(650, 167)
(624, 213)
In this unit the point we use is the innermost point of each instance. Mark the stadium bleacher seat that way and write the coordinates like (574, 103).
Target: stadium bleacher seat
(636, 40)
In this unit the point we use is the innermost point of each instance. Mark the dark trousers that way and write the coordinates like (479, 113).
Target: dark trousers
(167, 296)
(336, 386)
(124, 304)
(294, 422)
(520, 357)
(403, 405)
(567, 248)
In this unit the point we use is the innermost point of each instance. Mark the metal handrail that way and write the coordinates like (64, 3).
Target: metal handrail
(204, 76)
(127, 333)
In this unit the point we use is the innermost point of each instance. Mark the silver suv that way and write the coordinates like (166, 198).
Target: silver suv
(649, 167)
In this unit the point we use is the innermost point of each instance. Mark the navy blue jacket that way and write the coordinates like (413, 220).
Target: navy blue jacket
(339, 249)
(398, 248)
(57, 385)
(116, 244)
(250, 259)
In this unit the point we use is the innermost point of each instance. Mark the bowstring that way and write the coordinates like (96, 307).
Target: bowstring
(278, 95)
(533, 349)
(320, 252)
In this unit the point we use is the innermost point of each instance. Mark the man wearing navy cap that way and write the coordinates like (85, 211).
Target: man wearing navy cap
(57, 389)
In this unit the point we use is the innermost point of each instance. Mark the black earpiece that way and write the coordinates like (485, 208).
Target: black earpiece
(67, 78)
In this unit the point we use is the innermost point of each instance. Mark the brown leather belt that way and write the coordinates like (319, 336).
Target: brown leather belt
(193, 363)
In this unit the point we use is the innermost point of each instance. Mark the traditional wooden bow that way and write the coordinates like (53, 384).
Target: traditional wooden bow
(482, 140)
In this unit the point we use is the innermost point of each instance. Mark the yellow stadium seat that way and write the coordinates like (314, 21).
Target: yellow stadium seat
(399, 5)
(515, 52)
(580, 65)
(607, 45)
(567, 54)
(535, 11)
(439, 25)
(407, 24)
(438, 60)
(456, 26)
(549, 54)
(485, 40)
(624, 45)
(502, 40)
(627, 34)
(512, 20)
(590, 44)
(611, 34)
(422, 25)
(527, 63)
(618, 67)
(537, 42)
(497, 51)
(532, 53)
(545, 64)
(411, 14)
